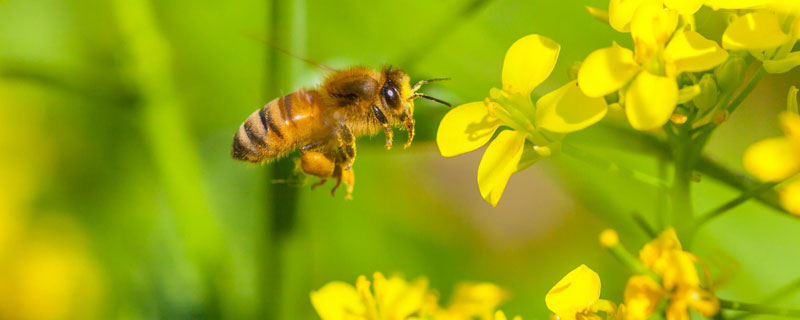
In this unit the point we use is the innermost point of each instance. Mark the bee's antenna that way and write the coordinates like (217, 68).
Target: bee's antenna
(421, 82)
(288, 53)
(420, 95)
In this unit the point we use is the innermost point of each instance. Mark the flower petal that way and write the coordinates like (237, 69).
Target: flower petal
(790, 198)
(336, 300)
(574, 293)
(465, 128)
(783, 65)
(735, 4)
(498, 163)
(528, 63)
(642, 296)
(758, 30)
(620, 13)
(773, 159)
(650, 101)
(688, 51)
(567, 109)
(684, 7)
(606, 70)
(651, 27)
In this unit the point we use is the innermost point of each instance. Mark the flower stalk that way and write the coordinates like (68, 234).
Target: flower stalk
(759, 308)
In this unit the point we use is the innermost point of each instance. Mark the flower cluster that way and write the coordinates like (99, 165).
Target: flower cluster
(397, 299)
(668, 273)
(673, 72)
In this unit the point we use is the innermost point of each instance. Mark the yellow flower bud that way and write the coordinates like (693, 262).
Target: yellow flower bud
(609, 238)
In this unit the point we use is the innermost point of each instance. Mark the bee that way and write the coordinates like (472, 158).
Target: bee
(325, 122)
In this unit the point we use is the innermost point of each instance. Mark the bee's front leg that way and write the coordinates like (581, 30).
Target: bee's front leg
(387, 128)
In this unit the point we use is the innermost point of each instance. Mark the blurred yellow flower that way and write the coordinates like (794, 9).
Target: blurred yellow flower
(50, 275)
(471, 301)
(645, 77)
(395, 299)
(777, 159)
(761, 33)
(680, 282)
(528, 62)
(389, 299)
(642, 296)
(499, 315)
(577, 296)
(622, 13)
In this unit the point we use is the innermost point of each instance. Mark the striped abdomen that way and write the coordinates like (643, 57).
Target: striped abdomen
(277, 128)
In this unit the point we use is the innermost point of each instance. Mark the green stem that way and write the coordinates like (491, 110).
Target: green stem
(287, 31)
(682, 210)
(646, 143)
(775, 296)
(734, 203)
(166, 131)
(739, 181)
(759, 308)
(642, 223)
(747, 90)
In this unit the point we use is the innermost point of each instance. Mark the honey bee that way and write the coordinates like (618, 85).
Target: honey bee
(325, 122)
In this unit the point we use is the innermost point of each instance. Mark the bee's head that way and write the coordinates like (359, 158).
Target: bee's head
(398, 96)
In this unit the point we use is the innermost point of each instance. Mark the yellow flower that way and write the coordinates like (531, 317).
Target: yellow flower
(761, 33)
(472, 300)
(389, 299)
(528, 62)
(499, 315)
(646, 76)
(577, 296)
(680, 282)
(642, 296)
(621, 13)
(777, 159)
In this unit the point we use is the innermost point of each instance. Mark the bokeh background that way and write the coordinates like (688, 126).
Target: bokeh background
(119, 200)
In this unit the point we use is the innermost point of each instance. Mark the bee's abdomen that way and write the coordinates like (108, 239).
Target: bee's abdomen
(270, 131)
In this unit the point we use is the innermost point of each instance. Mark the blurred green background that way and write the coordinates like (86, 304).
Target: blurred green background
(119, 200)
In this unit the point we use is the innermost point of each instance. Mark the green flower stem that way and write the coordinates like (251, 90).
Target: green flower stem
(605, 164)
(682, 214)
(647, 143)
(632, 262)
(286, 27)
(739, 181)
(759, 308)
(734, 203)
(165, 129)
(775, 296)
(642, 223)
(747, 90)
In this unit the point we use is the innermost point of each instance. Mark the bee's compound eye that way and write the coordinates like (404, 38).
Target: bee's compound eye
(391, 96)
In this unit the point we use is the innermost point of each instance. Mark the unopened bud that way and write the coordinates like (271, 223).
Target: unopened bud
(609, 238)
(709, 93)
(791, 100)
(599, 14)
(731, 73)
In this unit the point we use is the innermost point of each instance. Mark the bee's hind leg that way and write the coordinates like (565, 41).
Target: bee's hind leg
(342, 173)
(319, 183)
(317, 163)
